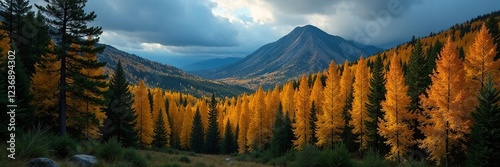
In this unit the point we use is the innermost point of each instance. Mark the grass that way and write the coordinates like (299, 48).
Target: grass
(155, 159)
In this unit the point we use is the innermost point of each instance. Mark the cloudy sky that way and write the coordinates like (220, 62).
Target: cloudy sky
(182, 31)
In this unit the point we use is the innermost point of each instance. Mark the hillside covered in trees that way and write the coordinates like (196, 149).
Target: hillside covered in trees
(433, 99)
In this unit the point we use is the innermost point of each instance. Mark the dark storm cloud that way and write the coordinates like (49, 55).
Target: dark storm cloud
(168, 22)
(361, 8)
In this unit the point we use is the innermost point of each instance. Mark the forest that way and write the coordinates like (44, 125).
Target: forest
(435, 100)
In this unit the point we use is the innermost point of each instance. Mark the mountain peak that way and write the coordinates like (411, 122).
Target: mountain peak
(307, 30)
(305, 50)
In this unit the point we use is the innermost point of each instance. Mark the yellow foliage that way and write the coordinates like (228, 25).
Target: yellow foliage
(331, 122)
(395, 126)
(359, 112)
(301, 126)
(448, 106)
(142, 109)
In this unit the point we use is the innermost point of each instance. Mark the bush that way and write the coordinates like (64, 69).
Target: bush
(337, 157)
(111, 150)
(33, 143)
(185, 159)
(133, 157)
(373, 159)
(413, 163)
(309, 156)
(283, 160)
(90, 147)
(63, 146)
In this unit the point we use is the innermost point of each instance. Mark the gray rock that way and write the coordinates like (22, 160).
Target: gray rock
(83, 160)
(42, 162)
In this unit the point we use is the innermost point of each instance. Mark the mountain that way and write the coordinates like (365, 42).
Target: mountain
(305, 50)
(210, 64)
(164, 76)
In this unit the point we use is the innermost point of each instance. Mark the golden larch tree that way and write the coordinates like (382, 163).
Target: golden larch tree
(187, 123)
(317, 94)
(301, 126)
(346, 81)
(142, 109)
(45, 87)
(256, 132)
(359, 112)
(395, 125)
(331, 122)
(4, 44)
(243, 123)
(481, 59)
(447, 107)
(287, 99)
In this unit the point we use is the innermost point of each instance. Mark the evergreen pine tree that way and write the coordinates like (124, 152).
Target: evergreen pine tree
(312, 122)
(151, 101)
(29, 33)
(121, 118)
(212, 141)
(418, 80)
(492, 24)
(281, 141)
(347, 136)
(197, 137)
(484, 149)
(374, 108)
(159, 135)
(23, 96)
(70, 19)
(228, 142)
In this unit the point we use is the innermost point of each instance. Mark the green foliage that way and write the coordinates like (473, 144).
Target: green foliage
(309, 156)
(281, 140)
(336, 157)
(484, 149)
(33, 143)
(197, 137)
(374, 107)
(347, 136)
(229, 143)
(63, 146)
(373, 159)
(213, 138)
(70, 20)
(90, 147)
(185, 159)
(418, 80)
(121, 120)
(312, 123)
(159, 132)
(133, 157)
(111, 151)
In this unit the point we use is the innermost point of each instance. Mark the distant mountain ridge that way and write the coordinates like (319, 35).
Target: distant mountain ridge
(164, 76)
(210, 64)
(304, 50)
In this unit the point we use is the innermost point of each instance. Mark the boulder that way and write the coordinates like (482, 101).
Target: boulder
(83, 160)
(42, 162)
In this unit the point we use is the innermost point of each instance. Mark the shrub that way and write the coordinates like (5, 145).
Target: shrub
(33, 143)
(63, 146)
(373, 159)
(185, 159)
(337, 157)
(133, 157)
(90, 147)
(111, 150)
(308, 156)
(283, 160)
